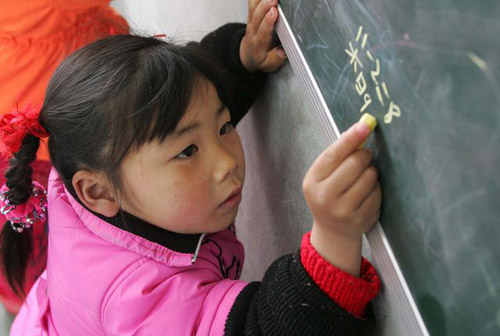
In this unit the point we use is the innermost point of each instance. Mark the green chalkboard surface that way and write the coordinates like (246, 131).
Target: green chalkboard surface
(429, 71)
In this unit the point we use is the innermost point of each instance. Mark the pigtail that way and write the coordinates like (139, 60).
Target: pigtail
(16, 245)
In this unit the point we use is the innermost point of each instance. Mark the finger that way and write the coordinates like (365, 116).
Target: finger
(336, 153)
(371, 205)
(266, 28)
(263, 9)
(350, 170)
(275, 58)
(363, 187)
(252, 4)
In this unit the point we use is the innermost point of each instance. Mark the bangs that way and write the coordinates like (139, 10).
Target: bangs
(156, 99)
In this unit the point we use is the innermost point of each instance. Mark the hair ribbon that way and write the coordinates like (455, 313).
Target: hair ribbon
(14, 126)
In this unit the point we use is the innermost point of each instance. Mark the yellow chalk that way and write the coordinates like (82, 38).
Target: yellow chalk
(369, 120)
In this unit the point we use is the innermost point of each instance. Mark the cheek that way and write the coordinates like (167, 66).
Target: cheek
(187, 199)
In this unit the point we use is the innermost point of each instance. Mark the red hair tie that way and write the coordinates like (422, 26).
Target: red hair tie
(15, 125)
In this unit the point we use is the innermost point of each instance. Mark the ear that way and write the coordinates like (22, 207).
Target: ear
(95, 192)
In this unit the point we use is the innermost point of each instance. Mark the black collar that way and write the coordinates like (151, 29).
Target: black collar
(178, 242)
(183, 243)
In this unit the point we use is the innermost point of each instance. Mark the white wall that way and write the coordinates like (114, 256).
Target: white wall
(185, 20)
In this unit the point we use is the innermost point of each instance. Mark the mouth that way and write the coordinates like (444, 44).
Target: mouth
(233, 200)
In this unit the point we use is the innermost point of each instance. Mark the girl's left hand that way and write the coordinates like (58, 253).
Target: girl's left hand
(256, 49)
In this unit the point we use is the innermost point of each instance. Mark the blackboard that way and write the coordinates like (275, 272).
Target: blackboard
(429, 71)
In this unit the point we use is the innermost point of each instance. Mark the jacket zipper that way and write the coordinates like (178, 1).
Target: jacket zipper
(195, 256)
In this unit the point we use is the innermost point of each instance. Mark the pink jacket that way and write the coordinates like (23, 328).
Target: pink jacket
(101, 280)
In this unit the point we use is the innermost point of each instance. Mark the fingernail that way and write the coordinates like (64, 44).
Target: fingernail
(271, 12)
(281, 52)
(362, 129)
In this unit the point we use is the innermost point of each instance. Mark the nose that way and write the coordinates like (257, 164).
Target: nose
(225, 163)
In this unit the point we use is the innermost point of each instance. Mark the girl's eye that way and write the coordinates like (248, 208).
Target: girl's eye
(187, 152)
(227, 128)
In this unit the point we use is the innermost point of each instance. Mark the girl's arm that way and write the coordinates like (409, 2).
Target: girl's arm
(326, 287)
(244, 87)
(289, 301)
(342, 191)
(247, 52)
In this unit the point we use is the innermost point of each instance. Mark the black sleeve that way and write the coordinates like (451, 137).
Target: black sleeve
(288, 302)
(224, 44)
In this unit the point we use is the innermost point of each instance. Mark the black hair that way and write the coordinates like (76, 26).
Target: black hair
(106, 99)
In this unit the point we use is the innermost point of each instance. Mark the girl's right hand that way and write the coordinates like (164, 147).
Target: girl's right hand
(344, 196)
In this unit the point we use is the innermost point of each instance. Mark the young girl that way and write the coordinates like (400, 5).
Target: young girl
(36, 35)
(147, 179)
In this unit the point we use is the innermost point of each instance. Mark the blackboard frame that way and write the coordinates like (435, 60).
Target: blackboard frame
(394, 283)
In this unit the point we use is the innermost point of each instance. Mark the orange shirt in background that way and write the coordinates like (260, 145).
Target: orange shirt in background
(36, 35)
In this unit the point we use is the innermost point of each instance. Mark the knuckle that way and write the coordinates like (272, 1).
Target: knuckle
(271, 16)
(308, 187)
(260, 7)
(329, 155)
(342, 212)
(352, 160)
(316, 197)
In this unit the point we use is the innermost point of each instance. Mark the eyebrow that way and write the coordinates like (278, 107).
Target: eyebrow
(221, 109)
(190, 127)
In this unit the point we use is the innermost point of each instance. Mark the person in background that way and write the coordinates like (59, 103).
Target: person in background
(35, 36)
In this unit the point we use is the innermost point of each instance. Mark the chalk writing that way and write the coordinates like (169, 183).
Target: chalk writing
(354, 57)
(361, 85)
(394, 111)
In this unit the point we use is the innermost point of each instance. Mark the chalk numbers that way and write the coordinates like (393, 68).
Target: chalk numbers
(361, 86)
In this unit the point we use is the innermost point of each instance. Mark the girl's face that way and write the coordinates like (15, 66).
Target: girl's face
(191, 182)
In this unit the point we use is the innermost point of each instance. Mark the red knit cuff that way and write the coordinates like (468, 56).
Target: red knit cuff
(351, 293)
